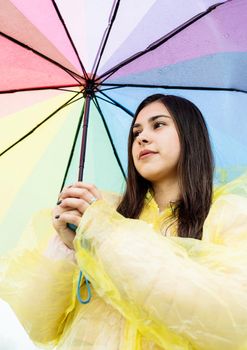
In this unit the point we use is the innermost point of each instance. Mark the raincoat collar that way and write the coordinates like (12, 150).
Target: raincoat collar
(152, 215)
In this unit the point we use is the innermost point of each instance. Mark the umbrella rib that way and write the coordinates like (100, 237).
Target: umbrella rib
(73, 147)
(105, 100)
(77, 99)
(67, 90)
(114, 104)
(105, 37)
(175, 87)
(38, 125)
(69, 36)
(25, 46)
(109, 136)
(39, 88)
(159, 42)
(117, 104)
(113, 87)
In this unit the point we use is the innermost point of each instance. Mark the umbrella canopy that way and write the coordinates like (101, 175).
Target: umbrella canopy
(73, 73)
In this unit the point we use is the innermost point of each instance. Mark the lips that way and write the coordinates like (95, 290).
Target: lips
(146, 153)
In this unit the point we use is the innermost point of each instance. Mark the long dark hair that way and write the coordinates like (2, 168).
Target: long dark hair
(195, 168)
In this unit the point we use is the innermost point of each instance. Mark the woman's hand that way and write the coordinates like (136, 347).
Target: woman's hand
(71, 205)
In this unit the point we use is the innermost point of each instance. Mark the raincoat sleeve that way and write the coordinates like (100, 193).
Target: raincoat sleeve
(38, 280)
(180, 293)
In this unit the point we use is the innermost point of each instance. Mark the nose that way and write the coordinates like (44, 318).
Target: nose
(142, 139)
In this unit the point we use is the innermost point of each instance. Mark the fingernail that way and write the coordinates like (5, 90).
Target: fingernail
(59, 202)
(57, 216)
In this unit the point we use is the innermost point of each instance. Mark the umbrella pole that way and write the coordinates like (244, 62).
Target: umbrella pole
(84, 136)
(80, 177)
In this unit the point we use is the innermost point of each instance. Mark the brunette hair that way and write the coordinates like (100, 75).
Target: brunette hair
(195, 168)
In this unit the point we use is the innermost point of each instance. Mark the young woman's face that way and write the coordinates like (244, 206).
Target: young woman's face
(156, 146)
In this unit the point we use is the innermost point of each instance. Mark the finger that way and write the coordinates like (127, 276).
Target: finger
(67, 192)
(61, 226)
(58, 209)
(64, 189)
(80, 193)
(68, 217)
(57, 212)
(75, 203)
(72, 192)
(90, 187)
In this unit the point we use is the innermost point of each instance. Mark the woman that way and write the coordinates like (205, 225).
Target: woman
(170, 155)
(166, 271)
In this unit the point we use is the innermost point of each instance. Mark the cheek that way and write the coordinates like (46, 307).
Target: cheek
(135, 155)
(173, 145)
(176, 145)
(134, 151)
(177, 153)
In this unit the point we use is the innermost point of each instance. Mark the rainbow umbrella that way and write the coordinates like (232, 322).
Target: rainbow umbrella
(73, 72)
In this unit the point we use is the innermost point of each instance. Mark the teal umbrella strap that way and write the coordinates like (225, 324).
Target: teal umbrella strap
(88, 290)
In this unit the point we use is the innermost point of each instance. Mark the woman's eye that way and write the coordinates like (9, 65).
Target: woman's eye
(136, 133)
(158, 124)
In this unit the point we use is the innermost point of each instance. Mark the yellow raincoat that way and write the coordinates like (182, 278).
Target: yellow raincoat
(149, 291)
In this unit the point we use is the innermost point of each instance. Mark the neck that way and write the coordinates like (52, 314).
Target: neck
(165, 192)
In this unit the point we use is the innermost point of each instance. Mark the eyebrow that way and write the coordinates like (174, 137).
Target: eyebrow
(151, 119)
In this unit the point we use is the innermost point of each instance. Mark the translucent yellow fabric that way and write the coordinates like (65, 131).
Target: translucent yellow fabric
(150, 291)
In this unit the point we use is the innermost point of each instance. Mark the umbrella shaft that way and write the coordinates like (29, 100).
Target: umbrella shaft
(84, 137)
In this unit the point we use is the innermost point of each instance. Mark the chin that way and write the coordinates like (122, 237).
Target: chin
(150, 177)
(157, 176)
